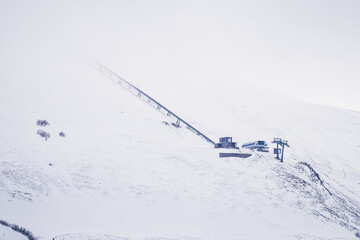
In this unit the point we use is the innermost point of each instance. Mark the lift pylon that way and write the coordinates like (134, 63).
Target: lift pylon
(278, 150)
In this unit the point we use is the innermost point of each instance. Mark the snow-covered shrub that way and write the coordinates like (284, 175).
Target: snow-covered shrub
(42, 123)
(43, 134)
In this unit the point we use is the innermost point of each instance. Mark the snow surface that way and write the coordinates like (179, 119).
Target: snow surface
(120, 172)
(6, 233)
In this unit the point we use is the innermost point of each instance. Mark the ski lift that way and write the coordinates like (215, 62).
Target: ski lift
(278, 150)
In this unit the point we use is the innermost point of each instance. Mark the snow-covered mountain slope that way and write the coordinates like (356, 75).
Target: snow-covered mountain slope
(121, 172)
(7, 233)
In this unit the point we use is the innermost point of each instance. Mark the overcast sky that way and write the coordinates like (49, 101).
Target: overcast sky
(308, 49)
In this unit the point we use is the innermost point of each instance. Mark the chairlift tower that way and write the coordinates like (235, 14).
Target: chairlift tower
(278, 150)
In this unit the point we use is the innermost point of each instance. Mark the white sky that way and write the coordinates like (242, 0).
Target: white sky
(308, 49)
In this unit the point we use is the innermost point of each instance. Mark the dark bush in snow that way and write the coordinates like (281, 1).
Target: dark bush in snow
(43, 134)
(2, 222)
(42, 123)
(357, 234)
(61, 134)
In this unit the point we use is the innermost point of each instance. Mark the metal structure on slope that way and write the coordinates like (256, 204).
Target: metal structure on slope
(277, 150)
(142, 95)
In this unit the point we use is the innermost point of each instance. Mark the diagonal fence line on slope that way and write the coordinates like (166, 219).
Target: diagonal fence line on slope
(139, 93)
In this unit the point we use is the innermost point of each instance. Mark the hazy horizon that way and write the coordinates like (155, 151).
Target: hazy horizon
(305, 49)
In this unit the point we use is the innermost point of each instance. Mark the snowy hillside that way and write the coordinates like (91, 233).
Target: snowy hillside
(7, 233)
(120, 172)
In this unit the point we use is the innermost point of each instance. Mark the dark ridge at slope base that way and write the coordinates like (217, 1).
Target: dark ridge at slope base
(326, 202)
(19, 229)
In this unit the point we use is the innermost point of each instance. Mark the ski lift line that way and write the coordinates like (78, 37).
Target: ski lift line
(110, 74)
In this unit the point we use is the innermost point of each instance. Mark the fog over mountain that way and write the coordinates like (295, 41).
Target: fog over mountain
(83, 158)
